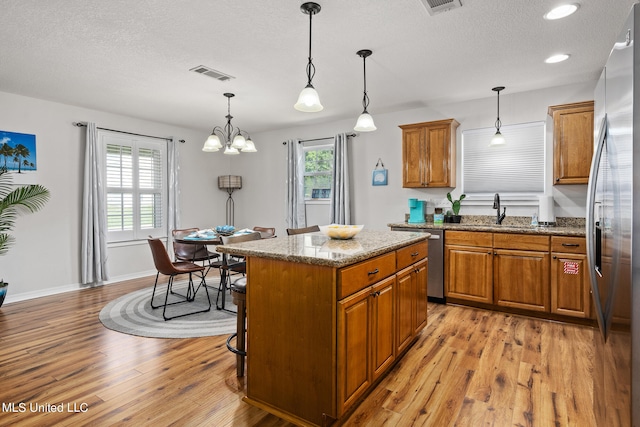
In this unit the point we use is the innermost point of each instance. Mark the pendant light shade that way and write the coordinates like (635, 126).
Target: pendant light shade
(498, 139)
(234, 138)
(309, 100)
(365, 121)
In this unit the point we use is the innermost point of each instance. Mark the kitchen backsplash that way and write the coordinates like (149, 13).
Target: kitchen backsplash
(510, 220)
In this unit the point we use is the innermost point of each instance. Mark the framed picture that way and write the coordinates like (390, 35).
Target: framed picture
(379, 176)
(18, 155)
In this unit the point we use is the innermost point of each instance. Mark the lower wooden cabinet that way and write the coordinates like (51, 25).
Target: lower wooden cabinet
(468, 271)
(365, 339)
(411, 303)
(570, 289)
(521, 279)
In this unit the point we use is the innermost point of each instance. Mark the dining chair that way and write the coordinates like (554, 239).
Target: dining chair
(265, 232)
(191, 252)
(230, 266)
(165, 266)
(310, 229)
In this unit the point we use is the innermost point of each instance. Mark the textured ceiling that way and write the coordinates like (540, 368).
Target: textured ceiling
(133, 57)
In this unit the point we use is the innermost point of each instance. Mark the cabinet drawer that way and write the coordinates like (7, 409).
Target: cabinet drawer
(407, 256)
(353, 278)
(524, 242)
(469, 238)
(569, 245)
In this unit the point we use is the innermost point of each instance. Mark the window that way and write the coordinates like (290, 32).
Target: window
(517, 167)
(318, 171)
(135, 170)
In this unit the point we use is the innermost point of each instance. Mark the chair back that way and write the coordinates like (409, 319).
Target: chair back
(189, 251)
(226, 240)
(265, 232)
(310, 229)
(161, 257)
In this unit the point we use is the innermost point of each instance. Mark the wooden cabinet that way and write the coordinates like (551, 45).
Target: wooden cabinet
(469, 266)
(366, 339)
(572, 142)
(429, 154)
(411, 303)
(521, 271)
(570, 289)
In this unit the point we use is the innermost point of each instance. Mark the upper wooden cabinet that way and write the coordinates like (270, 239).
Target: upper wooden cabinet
(429, 154)
(572, 142)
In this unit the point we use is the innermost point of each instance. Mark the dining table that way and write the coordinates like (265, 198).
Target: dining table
(211, 237)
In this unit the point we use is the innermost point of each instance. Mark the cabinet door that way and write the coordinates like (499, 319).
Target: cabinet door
(354, 373)
(405, 291)
(521, 279)
(413, 153)
(421, 275)
(382, 326)
(438, 166)
(468, 273)
(572, 142)
(570, 285)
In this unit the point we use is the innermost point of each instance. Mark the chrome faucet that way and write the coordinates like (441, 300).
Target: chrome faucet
(496, 205)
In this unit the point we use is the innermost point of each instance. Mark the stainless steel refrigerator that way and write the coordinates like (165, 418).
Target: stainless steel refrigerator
(613, 232)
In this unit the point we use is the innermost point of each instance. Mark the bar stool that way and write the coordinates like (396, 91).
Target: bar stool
(239, 294)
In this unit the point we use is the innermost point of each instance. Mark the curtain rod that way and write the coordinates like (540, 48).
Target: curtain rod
(352, 134)
(80, 124)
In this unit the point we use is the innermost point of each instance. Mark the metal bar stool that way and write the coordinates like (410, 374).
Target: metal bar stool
(239, 294)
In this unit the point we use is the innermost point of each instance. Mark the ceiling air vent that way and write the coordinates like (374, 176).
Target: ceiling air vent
(201, 69)
(438, 6)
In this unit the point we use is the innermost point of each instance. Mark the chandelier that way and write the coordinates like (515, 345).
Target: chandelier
(235, 139)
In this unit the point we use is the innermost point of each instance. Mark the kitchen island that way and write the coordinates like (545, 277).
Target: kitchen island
(327, 319)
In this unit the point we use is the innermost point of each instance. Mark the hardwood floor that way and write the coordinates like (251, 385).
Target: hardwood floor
(468, 368)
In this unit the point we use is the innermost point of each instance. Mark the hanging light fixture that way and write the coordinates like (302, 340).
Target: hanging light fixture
(498, 139)
(309, 101)
(234, 138)
(365, 121)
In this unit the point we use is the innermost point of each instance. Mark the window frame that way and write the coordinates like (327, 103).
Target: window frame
(540, 161)
(137, 143)
(329, 173)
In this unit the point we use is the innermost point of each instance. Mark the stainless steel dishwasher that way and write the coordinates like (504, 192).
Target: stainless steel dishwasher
(435, 284)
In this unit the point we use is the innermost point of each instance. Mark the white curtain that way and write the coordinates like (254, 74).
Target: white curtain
(295, 208)
(94, 215)
(173, 200)
(340, 198)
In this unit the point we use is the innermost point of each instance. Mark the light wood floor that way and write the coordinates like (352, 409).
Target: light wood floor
(468, 368)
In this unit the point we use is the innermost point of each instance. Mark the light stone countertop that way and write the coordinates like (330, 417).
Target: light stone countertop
(495, 228)
(318, 249)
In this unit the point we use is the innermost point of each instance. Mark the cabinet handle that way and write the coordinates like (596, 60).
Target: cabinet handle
(495, 253)
(376, 271)
(557, 179)
(415, 254)
(570, 245)
(375, 294)
(555, 257)
(489, 253)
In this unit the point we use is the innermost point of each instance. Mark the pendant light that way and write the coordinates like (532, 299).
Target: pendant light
(234, 138)
(309, 101)
(498, 139)
(365, 121)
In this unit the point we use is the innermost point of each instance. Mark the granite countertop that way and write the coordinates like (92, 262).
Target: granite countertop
(568, 230)
(318, 249)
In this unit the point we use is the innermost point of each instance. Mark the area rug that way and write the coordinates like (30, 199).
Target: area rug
(132, 314)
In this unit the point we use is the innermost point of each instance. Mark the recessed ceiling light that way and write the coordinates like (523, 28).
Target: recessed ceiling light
(561, 11)
(556, 58)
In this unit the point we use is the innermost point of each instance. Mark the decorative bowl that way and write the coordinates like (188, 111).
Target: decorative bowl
(340, 232)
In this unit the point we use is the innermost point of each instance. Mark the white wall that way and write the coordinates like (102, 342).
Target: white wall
(46, 256)
(376, 206)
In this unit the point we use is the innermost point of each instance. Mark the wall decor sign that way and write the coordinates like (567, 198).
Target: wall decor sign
(379, 176)
(18, 155)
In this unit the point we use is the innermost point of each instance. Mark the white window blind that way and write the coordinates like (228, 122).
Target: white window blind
(516, 167)
(135, 175)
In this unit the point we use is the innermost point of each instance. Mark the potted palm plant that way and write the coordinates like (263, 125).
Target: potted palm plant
(455, 207)
(13, 202)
